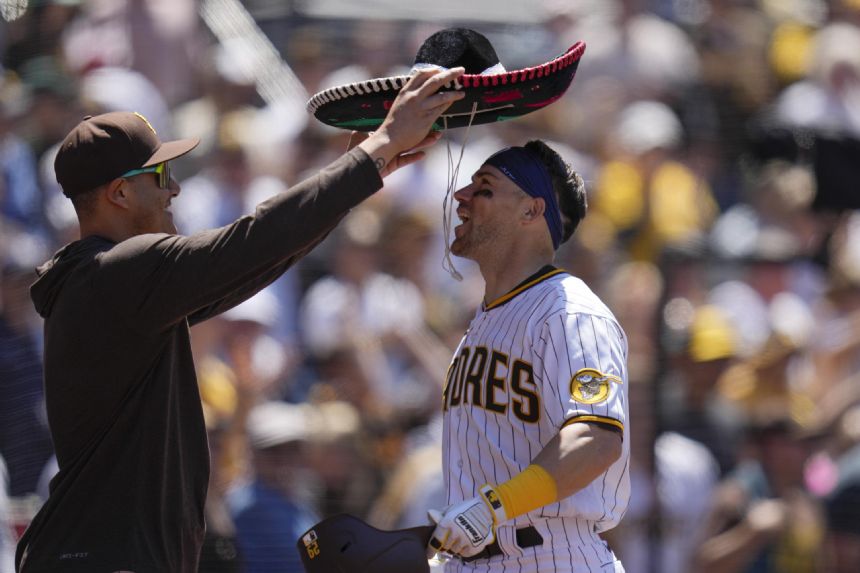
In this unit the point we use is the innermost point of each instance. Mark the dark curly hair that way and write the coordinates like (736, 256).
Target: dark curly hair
(568, 186)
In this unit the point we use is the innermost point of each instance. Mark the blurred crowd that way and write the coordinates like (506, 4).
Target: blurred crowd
(720, 143)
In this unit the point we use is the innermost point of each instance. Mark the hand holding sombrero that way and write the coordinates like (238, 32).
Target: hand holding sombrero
(490, 92)
(406, 129)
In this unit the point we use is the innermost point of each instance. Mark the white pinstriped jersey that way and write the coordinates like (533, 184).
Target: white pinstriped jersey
(547, 354)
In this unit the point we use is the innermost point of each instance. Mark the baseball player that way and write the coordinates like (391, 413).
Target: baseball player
(120, 387)
(535, 443)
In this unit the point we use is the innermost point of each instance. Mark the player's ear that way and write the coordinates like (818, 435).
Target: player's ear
(534, 209)
(117, 193)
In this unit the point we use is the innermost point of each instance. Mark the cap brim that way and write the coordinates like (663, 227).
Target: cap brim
(171, 150)
(362, 106)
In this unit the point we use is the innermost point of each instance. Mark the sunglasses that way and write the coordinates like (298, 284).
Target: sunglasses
(162, 170)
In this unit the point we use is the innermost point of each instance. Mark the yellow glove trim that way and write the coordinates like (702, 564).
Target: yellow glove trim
(531, 489)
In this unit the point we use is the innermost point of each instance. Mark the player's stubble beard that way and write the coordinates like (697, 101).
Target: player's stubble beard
(476, 239)
(153, 215)
(154, 223)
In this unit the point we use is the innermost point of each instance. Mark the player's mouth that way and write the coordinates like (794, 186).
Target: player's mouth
(464, 217)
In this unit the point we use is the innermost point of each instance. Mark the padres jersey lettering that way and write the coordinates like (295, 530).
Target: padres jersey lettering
(491, 385)
(546, 355)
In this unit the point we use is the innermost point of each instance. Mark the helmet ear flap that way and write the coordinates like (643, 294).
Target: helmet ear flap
(344, 544)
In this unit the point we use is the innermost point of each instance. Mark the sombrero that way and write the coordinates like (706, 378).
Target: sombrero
(492, 93)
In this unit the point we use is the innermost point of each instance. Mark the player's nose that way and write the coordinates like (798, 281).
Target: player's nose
(463, 194)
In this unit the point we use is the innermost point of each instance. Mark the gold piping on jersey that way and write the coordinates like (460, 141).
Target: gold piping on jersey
(593, 418)
(506, 297)
(590, 386)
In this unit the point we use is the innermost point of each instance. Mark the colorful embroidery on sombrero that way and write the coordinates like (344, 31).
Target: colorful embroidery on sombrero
(360, 122)
(509, 95)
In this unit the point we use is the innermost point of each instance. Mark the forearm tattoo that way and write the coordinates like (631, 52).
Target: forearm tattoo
(380, 163)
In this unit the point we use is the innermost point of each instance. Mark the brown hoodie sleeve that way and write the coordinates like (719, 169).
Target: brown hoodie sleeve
(158, 279)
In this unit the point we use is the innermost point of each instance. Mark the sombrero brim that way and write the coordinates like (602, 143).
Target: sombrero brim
(362, 106)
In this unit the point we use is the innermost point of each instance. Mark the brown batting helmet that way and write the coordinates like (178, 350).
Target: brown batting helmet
(345, 544)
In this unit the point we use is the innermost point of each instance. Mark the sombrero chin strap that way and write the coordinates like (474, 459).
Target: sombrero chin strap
(448, 202)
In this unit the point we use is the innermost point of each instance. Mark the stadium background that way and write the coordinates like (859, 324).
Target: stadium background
(719, 143)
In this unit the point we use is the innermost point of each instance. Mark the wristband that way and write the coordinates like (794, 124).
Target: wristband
(527, 491)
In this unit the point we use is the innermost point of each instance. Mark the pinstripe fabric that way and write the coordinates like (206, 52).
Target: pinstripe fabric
(508, 393)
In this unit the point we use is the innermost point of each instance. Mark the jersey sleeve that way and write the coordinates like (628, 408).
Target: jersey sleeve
(581, 370)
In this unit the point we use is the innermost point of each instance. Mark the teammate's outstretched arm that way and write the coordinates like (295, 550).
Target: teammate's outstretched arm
(577, 455)
(407, 127)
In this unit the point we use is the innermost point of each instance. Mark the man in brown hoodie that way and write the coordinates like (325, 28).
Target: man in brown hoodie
(120, 385)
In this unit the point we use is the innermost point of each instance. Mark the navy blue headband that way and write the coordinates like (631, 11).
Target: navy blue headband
(527, 170)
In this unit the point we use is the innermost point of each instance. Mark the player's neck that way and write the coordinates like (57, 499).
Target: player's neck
(114, 229)
(503, 274)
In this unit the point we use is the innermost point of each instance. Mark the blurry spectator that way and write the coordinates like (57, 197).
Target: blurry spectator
(270, 513)
(114, 88)
(664, 523)
(686, 476)
(21, 200)
(763, 519)
(672, 479)
(414, 485)
(53, 107)
(7, 543)
(632, 54)
(227, 87)
(834, 474)
(39, 30)
(829, 99)
(836, 342)
(633, 292)
(778, 374)
(238, 366)
(164, 41)
(346, 374)
(842, 546)
(220, 552)
(347, 459)
(846, 449)
(24, 439)
(154, 37)
(775, 221)
(227, 187)
(702, 416)
(747, 311)
(261, 362)
(649, 195)
(225, 416)
(406, 241)
(732, 41)
(363, 312)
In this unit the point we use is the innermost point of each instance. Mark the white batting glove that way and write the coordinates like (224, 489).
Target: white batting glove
(466, 528)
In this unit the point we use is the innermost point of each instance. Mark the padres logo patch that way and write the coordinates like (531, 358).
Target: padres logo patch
(590, 386)
(493, 499)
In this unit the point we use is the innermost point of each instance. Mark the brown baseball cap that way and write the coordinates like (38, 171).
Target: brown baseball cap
(103, 147)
